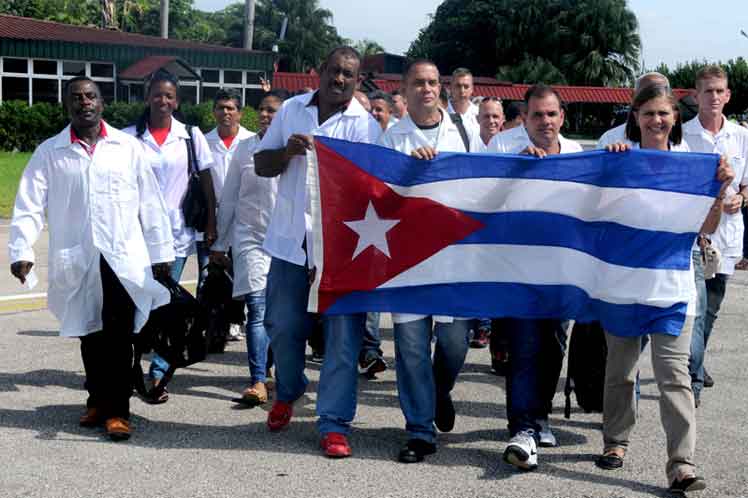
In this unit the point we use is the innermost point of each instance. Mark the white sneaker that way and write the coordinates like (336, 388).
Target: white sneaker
(522, 452)
(546, 437)
(235, 332)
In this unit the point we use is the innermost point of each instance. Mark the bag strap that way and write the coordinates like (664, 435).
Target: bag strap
(457, 120)
(191, 155)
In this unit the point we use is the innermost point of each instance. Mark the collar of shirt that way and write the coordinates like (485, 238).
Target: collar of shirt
(352, 108)
(406, 126)
(213, 138)
(178, 130)
(88, 148)
(695, 127)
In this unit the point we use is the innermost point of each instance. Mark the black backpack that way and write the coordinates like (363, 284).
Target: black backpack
(585, 374)
(176, 331)
(221, 310)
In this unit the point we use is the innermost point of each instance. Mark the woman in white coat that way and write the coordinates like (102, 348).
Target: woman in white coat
(164, 140)
(244, 212)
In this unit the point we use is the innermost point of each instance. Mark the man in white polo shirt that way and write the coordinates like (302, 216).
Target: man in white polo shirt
(461, 91)
(424, 388)
(333, 112)
(711, 132)
(536, 347)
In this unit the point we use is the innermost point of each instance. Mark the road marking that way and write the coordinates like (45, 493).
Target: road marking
(15, 303)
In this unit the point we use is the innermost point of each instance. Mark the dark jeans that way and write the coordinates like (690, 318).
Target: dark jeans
(536, 351)
(702, 330)
(107, 354)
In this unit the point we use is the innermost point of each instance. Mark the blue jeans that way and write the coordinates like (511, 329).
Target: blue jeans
(159, 366)
(419, 382)
(372, 339)
(710, 294)
(338, 379)
(532, 377)
(257, 338)
(288, 325)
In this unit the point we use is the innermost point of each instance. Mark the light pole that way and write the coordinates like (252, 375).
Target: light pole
(744, 33)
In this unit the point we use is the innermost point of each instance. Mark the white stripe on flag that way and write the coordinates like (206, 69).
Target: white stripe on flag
(636, 208)
(541, 265)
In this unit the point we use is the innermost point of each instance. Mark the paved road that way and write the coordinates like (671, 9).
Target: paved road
(200, 445)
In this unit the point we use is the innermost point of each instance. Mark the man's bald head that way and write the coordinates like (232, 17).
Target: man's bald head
(651, 79)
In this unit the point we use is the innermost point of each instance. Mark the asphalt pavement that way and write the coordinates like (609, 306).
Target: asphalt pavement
(200, 444)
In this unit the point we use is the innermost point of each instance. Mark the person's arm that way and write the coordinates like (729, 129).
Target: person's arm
(273, 162)
(229, 200)
(726, 175)
(28, 216)
(205, 161)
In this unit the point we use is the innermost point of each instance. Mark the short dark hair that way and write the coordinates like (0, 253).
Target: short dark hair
(460, 72)
(633, 132)
(380, 95)
(396, 92)
(409, 65)
(513, 110)
(443, 94)
(278, 93)
(345, 51)
(69, 83)
(162, 75)
(228, 94)
(541, 90)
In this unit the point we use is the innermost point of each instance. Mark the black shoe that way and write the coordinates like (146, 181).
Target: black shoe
(445, 414)
(708, 381)
(414, 451)
(317, 357)
(687, 484)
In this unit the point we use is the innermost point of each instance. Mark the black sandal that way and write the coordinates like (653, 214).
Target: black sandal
(157, 396)
(687, 484)
(609, 460)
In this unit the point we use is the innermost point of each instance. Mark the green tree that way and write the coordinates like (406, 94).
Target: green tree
(590, 42)
(368, 47)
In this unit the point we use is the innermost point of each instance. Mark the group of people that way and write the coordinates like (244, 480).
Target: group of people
(124, 190)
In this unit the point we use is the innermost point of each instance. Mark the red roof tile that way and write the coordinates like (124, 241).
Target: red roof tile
(486, 87)
(149, 65)
(23, 28)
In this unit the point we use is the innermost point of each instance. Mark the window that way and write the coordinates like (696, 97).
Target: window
(208, 93)
(253, 77)
(15, 88)
(73, 68)
(102, 70)
(107, 91)
(188, 94)
(44, 90)
(209, 75)
(45, 67)
(15, 65)
(234, 77)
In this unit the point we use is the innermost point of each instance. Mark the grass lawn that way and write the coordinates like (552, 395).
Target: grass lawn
(11, 167)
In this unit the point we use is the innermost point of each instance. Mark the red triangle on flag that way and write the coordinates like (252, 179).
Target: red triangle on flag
(417, 228)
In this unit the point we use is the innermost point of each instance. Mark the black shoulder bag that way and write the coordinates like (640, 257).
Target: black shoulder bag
(457, 120)
(194, 204)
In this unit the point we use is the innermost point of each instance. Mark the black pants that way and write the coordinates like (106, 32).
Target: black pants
(107, 354)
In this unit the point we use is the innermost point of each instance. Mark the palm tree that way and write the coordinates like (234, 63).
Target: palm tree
(367, 47)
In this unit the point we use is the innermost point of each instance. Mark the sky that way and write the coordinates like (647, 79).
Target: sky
(672, 31)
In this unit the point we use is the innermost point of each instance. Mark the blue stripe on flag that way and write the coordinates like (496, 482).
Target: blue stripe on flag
(610, 242)
(498, 300)
(687, 173)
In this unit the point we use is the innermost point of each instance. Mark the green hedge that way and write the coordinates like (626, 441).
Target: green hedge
(23, 127)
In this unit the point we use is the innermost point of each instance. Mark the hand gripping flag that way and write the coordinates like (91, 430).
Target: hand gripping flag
(594, 236)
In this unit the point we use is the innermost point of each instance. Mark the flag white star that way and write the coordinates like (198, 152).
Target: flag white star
(372, 231)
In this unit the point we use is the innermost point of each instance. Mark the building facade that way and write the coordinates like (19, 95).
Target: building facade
(37, 57)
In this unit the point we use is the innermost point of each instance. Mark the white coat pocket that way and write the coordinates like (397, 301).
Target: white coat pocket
(70, 266)
(123, 186)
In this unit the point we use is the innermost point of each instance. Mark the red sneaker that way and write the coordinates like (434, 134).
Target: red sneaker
(335, 445)
(280, 415)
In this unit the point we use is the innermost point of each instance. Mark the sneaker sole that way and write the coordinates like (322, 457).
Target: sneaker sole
(119, 436)
(548, 443)
(518, 458)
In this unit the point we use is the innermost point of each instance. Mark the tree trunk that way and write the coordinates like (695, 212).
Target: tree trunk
(249, 23)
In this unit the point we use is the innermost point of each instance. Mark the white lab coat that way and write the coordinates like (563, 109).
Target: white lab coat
(405, 137)
(106, 205)
(169, 164)
(614, 136)
(222, 156)
(244, 212)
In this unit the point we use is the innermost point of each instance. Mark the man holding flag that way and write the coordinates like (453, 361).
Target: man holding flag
(330, 112)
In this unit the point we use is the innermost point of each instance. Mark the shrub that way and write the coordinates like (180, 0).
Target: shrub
(24, 127)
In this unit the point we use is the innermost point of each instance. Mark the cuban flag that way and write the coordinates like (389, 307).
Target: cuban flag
(593, 236)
